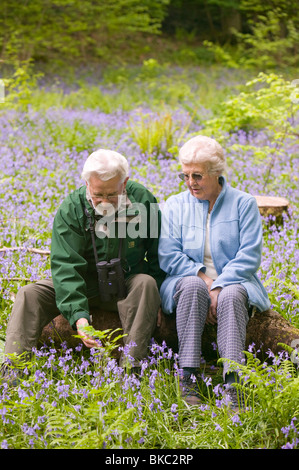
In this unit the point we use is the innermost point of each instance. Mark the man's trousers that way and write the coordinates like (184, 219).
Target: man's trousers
(35, 307)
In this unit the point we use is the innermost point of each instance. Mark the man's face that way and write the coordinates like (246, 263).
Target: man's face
(106, 193)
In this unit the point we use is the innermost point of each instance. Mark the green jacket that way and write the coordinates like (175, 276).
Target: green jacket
(72, 257)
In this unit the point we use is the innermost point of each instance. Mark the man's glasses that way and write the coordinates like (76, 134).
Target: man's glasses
(195, 176)
(110, 197)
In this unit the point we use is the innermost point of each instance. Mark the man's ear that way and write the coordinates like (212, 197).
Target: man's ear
(125, 182)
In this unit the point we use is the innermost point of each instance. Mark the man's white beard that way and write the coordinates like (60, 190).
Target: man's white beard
(108, 209)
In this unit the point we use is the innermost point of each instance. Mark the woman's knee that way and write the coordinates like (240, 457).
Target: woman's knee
(191, 289)
(192, 284)
(234, 294)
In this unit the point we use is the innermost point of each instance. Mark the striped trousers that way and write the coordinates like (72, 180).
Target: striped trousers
(192, 304)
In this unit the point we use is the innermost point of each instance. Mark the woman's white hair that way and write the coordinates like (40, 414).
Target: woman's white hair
(204, 150)
(105, 164)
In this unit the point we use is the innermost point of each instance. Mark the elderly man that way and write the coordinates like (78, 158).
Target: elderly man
(108, 218)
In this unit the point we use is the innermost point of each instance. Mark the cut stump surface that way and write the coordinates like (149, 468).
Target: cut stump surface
(272, 205)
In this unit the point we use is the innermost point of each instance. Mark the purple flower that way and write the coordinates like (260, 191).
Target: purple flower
(173, 408)
(236, 420)
(208, 381)
(4, 444)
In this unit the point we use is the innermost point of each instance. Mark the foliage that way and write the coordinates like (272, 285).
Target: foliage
(282, 282)
(266, 103)
(270, 40)
(189, 19)
(19, 88)
(158, 136)
(68, 399)
(266, 46)
(73, 28)
(80, 399)
(237, 33)
(264, 387)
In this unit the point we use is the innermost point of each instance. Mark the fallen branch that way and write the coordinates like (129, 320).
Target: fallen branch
(12, 218)
(31, 250)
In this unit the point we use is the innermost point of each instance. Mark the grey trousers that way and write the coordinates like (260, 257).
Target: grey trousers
(35, 307)
(192, 304)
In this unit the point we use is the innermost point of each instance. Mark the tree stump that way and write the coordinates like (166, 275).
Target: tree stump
(265, 330)
(271, 205)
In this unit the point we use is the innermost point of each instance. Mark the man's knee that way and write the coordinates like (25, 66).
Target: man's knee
(32, 295)
(28, 294)
(143, 293)
(145, 282)
(30, 291)
(33, 299)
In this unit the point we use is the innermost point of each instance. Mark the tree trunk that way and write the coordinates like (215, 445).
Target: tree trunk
(230, 18)
(265, 330)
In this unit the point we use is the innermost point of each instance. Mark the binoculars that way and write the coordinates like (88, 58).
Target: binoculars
(111, 280)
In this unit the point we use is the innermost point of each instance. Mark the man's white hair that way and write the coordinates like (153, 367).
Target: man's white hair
(204, 150)
(105, 164)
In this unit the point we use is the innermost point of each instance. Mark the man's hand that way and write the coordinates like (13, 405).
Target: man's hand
(159, 318)
(89, 342)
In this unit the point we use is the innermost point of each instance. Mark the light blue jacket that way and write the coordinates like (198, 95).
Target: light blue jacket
(235, 242)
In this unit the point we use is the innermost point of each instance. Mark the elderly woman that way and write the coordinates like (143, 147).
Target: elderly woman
(210, 248)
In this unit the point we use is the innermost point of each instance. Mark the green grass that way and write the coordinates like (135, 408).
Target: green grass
(70, 399)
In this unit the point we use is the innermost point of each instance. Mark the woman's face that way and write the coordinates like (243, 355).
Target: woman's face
(206, 187)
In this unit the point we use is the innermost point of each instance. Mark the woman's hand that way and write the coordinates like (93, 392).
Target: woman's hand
(212, 314)
(209, 281)
(88, 341)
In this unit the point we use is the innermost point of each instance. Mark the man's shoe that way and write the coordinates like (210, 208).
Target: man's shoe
(189, 389)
